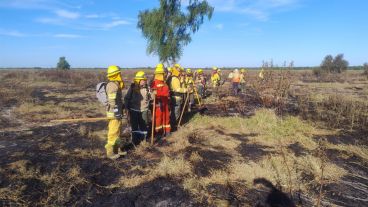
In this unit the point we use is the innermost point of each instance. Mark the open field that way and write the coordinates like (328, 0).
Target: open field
(306, 136)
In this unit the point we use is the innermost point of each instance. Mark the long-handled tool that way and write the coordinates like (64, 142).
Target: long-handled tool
(202, 108)
(197, 96)
(81, 120)
(153, 119)
(182, 112)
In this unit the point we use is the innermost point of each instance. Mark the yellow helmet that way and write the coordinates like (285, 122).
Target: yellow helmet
(182, 69)
(160, 65)
(159, 69)
(242, 70)
(170, 69)
(177, 65)
(189, 71)
(112, 70)
(199, 71)
(175, 71)
(214, 68)
(140, 75)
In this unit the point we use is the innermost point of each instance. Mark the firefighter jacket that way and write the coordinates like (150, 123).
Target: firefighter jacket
(200, 80)
(162, 89)
(115, 99)
(177, 88)
(236, 78)
(215, 78)
(189, 81)
(137, 98)
(242, 78)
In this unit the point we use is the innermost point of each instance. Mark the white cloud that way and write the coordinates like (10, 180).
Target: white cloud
(92, 16)
(256, 13)
(25, 4)
(258, 9)
(67, 14)
(219, 26)
(37, 4)
(12, 33)
(115, 23)
(68, 36)
(46, 20)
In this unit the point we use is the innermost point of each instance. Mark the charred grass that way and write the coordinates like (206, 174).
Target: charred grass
(215, 159)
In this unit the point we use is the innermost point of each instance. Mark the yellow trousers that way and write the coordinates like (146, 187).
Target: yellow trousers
(113, 136)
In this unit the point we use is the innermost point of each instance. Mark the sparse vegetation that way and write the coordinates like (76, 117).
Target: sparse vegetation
(300, 136)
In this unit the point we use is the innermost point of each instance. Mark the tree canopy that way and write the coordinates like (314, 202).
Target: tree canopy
(168, 29)
(334, 65)
(62, 64)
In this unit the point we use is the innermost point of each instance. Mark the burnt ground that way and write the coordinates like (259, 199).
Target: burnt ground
(63, 165)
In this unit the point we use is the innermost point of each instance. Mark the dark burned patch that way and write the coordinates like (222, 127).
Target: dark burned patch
(336, 139)
(350, 191)
(252, 151)
(298, 149)
(349, 162)
(99, 171)
(194, 138)
(159, 192)
(190, 150)
(239, 136)
(6, 122)
(212, 160)
(227, 193)
(33, 189)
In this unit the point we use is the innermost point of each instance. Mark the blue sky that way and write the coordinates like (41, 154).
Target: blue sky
(97, 33)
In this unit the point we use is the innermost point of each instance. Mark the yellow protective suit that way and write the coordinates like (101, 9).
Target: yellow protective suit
(215, 78)
(115, 101)
(113, 137)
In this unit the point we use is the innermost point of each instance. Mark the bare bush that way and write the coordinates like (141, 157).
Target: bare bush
(335, 110)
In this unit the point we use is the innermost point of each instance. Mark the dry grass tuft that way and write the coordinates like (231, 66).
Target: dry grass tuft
(173, 167)
(195, 157)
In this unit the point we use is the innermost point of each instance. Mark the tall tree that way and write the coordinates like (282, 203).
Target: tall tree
(62, 64)
(327, 64)
(340, 64)
(168, 29)
(334, 65)
(365, 69)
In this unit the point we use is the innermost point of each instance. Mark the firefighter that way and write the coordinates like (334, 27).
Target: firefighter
(182, 77)
(189, 84)
(137, 104)
(215, 79)
(161, 92)
(261, 75)
(200, 83)
(177, 93)
(235, 82)
(243, 73)
(114, 112)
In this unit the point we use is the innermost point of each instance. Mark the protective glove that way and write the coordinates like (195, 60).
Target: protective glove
(117, 113)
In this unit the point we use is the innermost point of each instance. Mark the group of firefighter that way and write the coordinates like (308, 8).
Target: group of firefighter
(163, 99)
